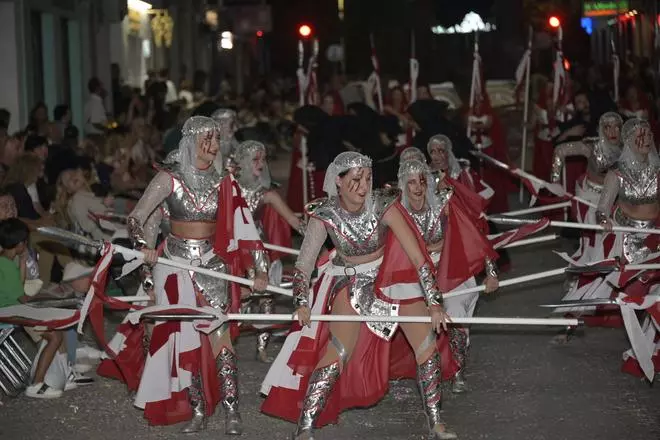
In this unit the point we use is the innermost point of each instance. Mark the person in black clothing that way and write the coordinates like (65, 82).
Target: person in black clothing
(23, 174)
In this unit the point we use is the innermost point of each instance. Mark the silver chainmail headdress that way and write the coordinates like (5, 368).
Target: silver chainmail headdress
(609, 118)
(453, 167)
(343, 163)
(244, 155)
(412, 168)
(630, 160)
(193, 129)
(411, 153)
(227, 123)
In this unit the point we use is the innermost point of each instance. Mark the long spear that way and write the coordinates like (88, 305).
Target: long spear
(571, 225)
(161, 313)
(376, 73)
(552, 187)
(75, 239)
(528, 59)
(300, 73)
(476, 79)
(616, 68)
(414, 69)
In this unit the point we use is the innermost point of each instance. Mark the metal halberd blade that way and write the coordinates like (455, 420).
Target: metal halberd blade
(69, 238)
(581, 303)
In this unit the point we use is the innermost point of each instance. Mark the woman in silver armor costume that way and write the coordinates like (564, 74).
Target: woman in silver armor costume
(253, 178)
(602, 154)
(444, 163)
(324, 369)
(633, 185)
(188, 183)
(428, 208)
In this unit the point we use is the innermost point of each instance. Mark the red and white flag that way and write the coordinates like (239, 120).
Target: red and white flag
(514, 235)
(40, 318)
(235, 228)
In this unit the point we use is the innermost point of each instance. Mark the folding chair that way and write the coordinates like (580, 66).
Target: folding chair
(15, 365)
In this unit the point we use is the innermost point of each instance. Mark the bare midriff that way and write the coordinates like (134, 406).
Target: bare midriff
(435, 247)
(192, 230)
(363, 259)
(640, 212)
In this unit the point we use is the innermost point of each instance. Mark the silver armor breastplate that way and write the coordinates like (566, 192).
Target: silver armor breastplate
(603, 157)
(194, 197)
(355, 234)
(638, 186)
(431, 220)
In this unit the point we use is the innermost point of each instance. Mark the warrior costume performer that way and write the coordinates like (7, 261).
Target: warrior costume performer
(323, 368)
(633, 185)
(186, 371)
(443, 162)
(273, 218)
(602, 153)
(437, 214)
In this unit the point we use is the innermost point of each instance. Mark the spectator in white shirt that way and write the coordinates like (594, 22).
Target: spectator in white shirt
(95, 115)
(171, 96)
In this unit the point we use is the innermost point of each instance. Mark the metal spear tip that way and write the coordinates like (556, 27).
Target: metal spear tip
(68, 237)
(581, 303)
(502, 220)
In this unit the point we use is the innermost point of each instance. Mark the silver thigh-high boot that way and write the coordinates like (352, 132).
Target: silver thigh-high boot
(198, 421)
(429, 380)
(318, 391)
(228, 376)
(458, 344)
(267, 307)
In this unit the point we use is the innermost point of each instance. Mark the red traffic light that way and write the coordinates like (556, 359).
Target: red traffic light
(305, 31)
(260, 34)
(554, 22)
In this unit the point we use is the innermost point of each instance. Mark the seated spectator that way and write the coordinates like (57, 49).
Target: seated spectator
(14, 236)
(62, 116)
(19, 179)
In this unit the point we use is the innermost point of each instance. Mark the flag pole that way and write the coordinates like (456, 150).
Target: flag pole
(523, 159)
(376, 64)
(475, 72)
(414, 68)
(616, 66)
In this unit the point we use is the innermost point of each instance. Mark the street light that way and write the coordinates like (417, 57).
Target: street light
(305, 30)
(554, 21)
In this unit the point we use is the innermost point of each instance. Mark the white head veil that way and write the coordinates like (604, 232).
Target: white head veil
(629, 158)
(412, 153)
(606, 119)
(227, 124)
(243, 156)
(412, 168)
(193, 129)
(343, 163)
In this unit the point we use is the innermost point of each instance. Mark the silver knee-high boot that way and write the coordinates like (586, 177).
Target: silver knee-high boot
(318, 391)
(198, 421)
(458, 344)
(268, 308)
(429, 380)
(228, 376)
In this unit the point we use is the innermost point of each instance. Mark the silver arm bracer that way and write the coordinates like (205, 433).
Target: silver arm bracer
(429, 286)
(315, 236)
(562, 152)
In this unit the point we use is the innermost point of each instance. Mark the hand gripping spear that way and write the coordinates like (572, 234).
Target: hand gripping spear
(72, 239)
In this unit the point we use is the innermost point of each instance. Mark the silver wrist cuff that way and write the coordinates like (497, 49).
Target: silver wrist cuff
(601, 218)
(491, 268)
(147, 278)
(429, 285)
(136, 233)
(260, 261)
(300, 289)
(556, 169)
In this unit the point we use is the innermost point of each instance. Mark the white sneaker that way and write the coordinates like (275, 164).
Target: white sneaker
(42, 391)
(75, 380)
